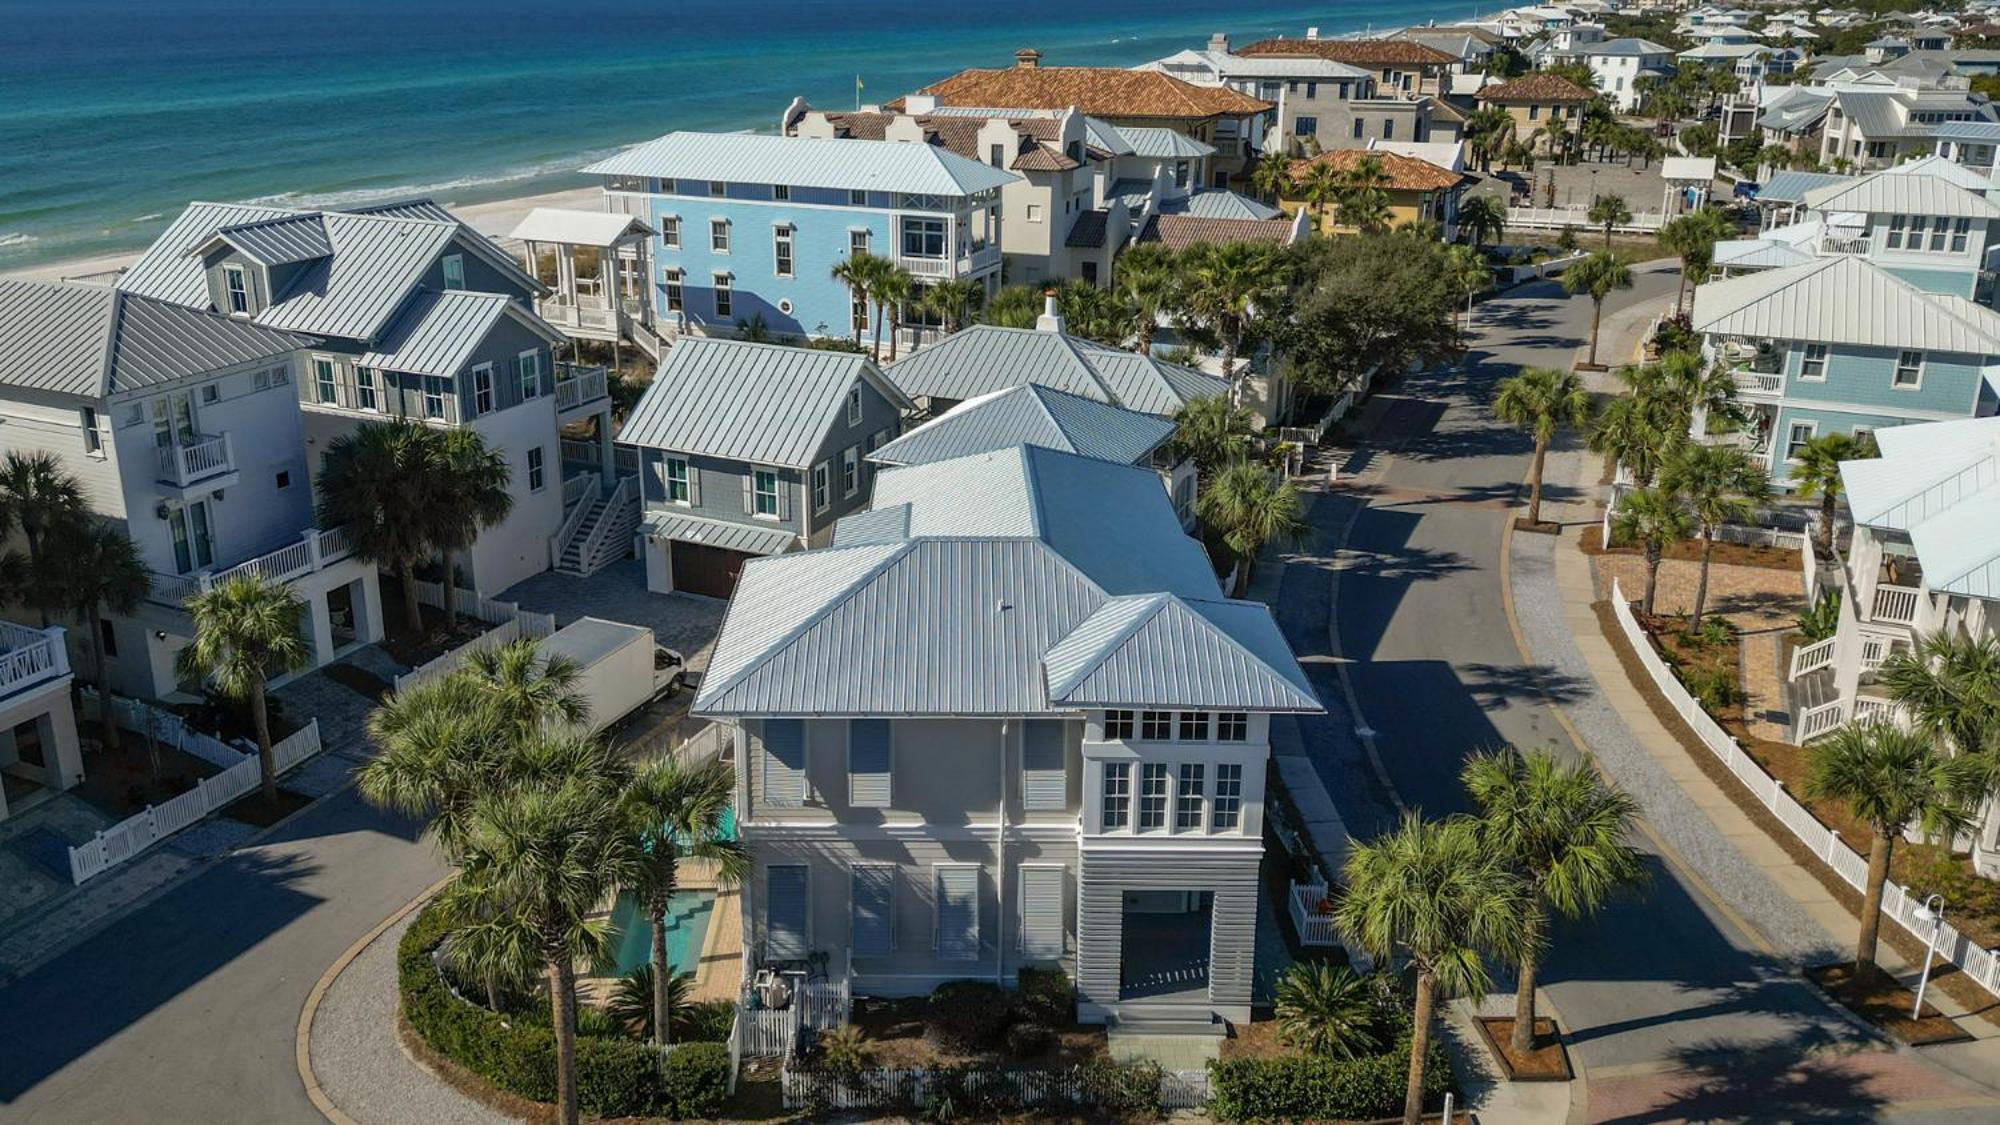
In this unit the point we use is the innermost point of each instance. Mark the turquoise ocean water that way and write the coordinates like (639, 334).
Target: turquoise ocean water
(115, 113)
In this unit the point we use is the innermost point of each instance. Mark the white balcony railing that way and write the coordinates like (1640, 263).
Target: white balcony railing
(1895, 605)
(964, 264)
(206, 456)
(1769, 384)
(1843, 242)
(580, 385)
(1813, 657)
(581, 453)
(314, 551)
(1309, 918)
(30, 656)
(1823, 719)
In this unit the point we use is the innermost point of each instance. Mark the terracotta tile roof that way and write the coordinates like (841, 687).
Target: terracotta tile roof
(961, 135)
(1100, 91)
(1442, 110)
(1039, 157)
(1543, 88)
(1406, 173)
(1178, 232)
(1088, 231)
(1355, 52)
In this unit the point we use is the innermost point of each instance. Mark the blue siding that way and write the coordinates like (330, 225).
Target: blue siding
(1827, 422)
(1864, 377)
(821, 238)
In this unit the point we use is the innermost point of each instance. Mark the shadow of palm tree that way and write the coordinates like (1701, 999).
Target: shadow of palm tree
(1803, 1078)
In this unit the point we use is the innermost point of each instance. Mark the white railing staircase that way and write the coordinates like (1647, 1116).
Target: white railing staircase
(1812, 657)
(598, 530)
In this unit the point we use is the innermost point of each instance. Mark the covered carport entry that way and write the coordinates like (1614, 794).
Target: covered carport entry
(705, 557)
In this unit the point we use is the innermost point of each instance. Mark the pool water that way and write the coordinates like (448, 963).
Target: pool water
(632, 936)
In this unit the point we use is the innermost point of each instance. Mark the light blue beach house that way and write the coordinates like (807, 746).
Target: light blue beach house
(749, 227)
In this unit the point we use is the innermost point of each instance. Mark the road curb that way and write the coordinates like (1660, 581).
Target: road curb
(302, 1039)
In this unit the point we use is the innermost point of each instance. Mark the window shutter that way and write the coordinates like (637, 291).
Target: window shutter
(874, 920)
(785, 899)
(784, 763)
(784, 498)
(694, 484)
(868, 758)
(1041, 913)
(749, 493)
(1043, 781)
(957, 913)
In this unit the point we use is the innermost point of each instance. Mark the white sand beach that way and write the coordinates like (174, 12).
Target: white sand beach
(494, 219)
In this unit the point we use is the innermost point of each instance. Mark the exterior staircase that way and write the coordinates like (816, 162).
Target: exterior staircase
(598, 530)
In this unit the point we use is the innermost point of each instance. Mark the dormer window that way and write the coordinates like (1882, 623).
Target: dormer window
(236, 290)
(454, 271)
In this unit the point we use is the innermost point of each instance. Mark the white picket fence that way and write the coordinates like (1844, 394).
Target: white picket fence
(167, 728)
(142, 830)
(885, 1087)
(520, 624)
(1314, 926)
(469, 603)
(1897, 902)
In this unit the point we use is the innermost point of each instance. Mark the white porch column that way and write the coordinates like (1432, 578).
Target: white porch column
(606, 458)
(368, 607)
(65, 753)
(322, 628)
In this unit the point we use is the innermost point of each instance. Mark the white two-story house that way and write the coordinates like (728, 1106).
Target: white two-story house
(1006, 719)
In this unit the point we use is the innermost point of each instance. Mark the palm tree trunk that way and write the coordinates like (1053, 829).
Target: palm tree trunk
(562, 1013)
(1680, 291)
(1240, 588)
(105, 717)
(450, 590)
(662, 1034)
(1701, 587)
(861, 296)
(413, 616)
(1596, 315)
(267, 766)
(1535, 482)
(1147, 326)
(881, 313)
(1652, 576)
(492, 993)
(1826, 521)
(1871, 907)
(1420, 1041)
(1607, 234)
(895, 324)
(1522, 1041)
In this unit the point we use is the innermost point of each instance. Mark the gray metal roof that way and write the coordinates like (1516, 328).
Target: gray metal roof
(282, 241)
(439, 331)
(986, 358)
(1758, 254)
(806, 162)
(1030, 415)
(1157, 650)
(1791, 187)
(1220, 203)
(95, 342)
(1163, 144)
(1627, 46)
(1945, 170)
(1895, 193)
(768, 404)
(1843, 299)
(1940, 483)
(726, 534)
(1987, 131)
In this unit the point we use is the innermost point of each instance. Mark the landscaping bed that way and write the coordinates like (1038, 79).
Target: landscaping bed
(1689, 550)
(121, 782)
(1546, 1061)
(1882, 1000)
(898, 1032)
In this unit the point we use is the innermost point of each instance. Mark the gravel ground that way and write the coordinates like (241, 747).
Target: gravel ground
(358, 1060)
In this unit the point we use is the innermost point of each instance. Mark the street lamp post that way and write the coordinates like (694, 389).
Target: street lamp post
(1934, 914)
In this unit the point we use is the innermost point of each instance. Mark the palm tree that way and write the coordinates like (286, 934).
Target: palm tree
(1949, 686)
(1543, 401)
(879, 273)
(551, 852)
(1271, 178)
(101, 571)
(857, 271)
(1225, 286)
(1325, 1009)
(1489, 129)
(1363, 205)
(891, 291)
(674, 811)
(1565, 832)
(951, 298)
(1891, 779)
(1468, 273)
(1147, 278)
(1433, 890)
(367, 485)
(1318, 186)
(1482, 218)
(1609, 211)
(1652, 518)
(1817, 473)
(247, 630)
(40, 497)
(1212, 432)
(634, 999)
(1691, 387)
(1637, 432)
(1693, 237)
(1597, 275)
(527, 690)
(466, 493)
(1251, 507)
(1719, 484)
(1016, 306)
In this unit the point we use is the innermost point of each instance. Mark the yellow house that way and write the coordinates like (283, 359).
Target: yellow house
(1417, 189)
(1536, 101)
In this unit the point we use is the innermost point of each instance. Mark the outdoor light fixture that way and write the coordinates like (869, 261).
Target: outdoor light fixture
(1935, 916)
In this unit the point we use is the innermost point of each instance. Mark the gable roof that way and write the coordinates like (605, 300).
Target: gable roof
(1405, 173)
(1792, 186)
(577, 228)
(1357, 52)
(1100, 91)
(1759, 254)
(95, 342)
(1919, 192)
(441, 329)
(1157, 143)
(1030, 414)
(1939, 482)
(1841, 299)
(985, 358)
(810, 162)
(1538, 87)
(1627, 46)
(768, 404)
(1219, 203)
(1158, 649)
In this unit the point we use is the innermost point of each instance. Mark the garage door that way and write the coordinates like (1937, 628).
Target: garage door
(711, 571)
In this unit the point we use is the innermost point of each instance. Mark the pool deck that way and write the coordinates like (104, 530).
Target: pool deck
(718, 971)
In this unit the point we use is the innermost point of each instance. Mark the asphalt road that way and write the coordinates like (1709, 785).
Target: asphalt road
(1661, 985)
(185, 1010)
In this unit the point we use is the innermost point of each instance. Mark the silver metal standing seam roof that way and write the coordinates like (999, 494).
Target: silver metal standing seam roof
(726, 534)
(1157, 650)
(1939, 482)
(277, 242)
(1221, 203)
(1030, 415)
(768, 404)
(1759, 254)
(1894, 193)
(985, 358)
(95, 342)
(1791, 187)
(1977, 131)
(1163, 144)
(805, 162)
(1840, 300)
(438, 332)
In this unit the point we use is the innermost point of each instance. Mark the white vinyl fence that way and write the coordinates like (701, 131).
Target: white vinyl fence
(1897, 902)
(142, 830)
(514, 625)
(166, 727)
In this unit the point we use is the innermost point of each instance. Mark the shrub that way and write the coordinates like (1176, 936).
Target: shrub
(1821, 619)
(845, 1052)
(694, 1080)
(967, 1016)
(1045, 996)
(1325, 1009)
(1306, 1086)
(706, 1022)
(1030, 1040)
(1713, 686)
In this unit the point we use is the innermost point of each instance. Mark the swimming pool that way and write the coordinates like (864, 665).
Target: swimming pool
(632, 936)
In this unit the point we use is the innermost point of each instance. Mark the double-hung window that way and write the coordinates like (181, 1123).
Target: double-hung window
(857, 242)
(1117, 795)
(1959, 229)
(1194, 726)
(454, 271)
(1797, 438)
(872, 921)
(482, 389)
(1812, 363)
(670, 232)
(1893, 240)
(1940, 234)
(1227, 811)
(93, 442)
(1232, 726)
(781, 250)
(1156, 726)
(822, 487)
(857, 197)
(325, 375)
(434, 390)
(718, 235)
(675, 292)
(677, 481)
(718, 188)
(850, 471)
(1117, 725)
(725, 296)
(1919, 225)
(764, 493)
(854, 405)
(236, 285)
(536, 478)
(955, 923)
(1187, 803)
(1909, 370)
(1152, 796)
(364, 389)
(528, 371)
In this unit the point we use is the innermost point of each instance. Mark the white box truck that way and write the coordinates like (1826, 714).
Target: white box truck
(619, 667)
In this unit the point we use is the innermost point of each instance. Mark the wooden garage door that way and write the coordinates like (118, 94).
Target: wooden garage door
(700, 569)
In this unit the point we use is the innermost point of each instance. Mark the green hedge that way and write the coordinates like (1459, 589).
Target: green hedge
(614, 1077)
(1304, 1086)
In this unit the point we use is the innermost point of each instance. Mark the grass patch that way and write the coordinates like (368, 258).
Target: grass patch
(1882, 1000)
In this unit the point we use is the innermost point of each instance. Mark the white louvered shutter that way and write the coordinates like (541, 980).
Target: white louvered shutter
(784, 498)
(874, 907)
(694, 484)
(785, 902)
(868, 785)
(957, 911)
(1041, 913)
(784, 763)
(749, 491)
(1044, 785)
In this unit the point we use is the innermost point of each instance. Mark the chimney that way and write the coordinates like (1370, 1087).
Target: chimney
(1219, 43)
(1027, 58)
(1051, 319)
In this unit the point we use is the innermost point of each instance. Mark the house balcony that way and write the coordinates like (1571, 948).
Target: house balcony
(29, 657)
(1765, 386)
(1837, 240)
(205, 463)
(976, 261)
(580, 389)
(316, 550)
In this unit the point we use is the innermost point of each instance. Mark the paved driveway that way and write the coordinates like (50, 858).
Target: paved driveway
(618, 593)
